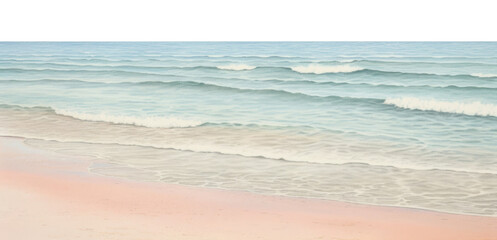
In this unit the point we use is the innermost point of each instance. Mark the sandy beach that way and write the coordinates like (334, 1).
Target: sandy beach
(48, 195)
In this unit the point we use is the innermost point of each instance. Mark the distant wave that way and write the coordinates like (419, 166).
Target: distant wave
(484, 75)
(320, 69)
(415, 57)
(279, 92)
(198, 85)
(472, 109)
(243, 56)
(347, 60)
(419, 62)
(153, 122)
(236, 67)
(312, 69)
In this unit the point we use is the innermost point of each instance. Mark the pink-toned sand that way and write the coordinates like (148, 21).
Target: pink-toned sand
(50, 196)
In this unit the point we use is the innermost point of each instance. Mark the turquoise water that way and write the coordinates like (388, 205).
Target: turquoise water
(382, 118)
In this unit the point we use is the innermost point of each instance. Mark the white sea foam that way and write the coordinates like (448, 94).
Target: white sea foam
(471, 108)
(346, 60)
(152, 122)
(320, 69)
(236, 67)
(484, 75)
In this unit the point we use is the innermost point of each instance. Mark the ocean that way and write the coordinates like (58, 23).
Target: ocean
(408, 124)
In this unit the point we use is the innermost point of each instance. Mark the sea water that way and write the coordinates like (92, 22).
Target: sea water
(385, 123)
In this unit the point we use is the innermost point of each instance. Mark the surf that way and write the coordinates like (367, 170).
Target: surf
(466, 108)
(236, 67)
(320, 69)
(150, 121)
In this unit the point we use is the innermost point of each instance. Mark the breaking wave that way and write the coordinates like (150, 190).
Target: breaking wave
(152, 122)
(236, 67)
(484, 75)
(320, 69)
(472, 108)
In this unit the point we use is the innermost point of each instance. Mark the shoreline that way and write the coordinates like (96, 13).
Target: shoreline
(48, 195)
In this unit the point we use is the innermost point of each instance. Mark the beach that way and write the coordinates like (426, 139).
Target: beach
(248, 140)
(403, 124)
(47, 195)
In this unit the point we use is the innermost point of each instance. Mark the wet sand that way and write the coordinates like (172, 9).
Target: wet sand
(46, 195)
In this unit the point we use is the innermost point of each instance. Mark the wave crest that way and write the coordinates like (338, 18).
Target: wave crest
(151, 122)
(472, 109)
(236, 67)
(320, 69)
(484, 75)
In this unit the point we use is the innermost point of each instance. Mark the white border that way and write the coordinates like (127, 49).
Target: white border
(247, 20)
